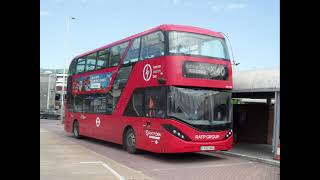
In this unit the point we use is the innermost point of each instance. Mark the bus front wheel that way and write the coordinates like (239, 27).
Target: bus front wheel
(75, 130)
(130, 141)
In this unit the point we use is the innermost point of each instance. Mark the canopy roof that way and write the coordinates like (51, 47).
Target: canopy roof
(259, 80)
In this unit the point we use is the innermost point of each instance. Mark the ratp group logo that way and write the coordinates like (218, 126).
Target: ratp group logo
(147, 72)
(198, 137)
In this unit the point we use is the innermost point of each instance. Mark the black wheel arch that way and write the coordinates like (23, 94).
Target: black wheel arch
(124, 134)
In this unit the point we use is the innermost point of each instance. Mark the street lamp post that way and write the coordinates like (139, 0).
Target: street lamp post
(64, 68)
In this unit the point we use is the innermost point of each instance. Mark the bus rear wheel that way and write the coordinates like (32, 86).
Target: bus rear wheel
(130, 141)
(75, 130)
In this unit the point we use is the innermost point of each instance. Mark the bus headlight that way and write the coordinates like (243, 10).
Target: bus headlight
(176, 132)
(228, 134)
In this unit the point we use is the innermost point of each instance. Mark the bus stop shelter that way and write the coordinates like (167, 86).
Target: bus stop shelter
(258, 85)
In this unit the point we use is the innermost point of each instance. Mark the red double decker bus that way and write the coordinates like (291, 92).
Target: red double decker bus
(165, 90)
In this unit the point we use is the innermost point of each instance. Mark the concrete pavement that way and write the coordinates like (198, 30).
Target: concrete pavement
(253, 152)
(62, 159)
(187, 166)
(251, 158)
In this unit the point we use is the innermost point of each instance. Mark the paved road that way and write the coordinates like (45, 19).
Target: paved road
(172, 166)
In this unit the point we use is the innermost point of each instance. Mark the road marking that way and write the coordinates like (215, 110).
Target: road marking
(106, 166)
(251, 158)
(41, 130)
(208, 166)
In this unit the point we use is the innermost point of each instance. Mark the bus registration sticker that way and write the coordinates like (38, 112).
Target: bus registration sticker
(206, 148)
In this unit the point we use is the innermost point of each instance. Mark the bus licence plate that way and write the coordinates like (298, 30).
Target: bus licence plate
(205, 148)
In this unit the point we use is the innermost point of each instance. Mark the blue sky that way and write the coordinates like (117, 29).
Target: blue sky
(253, 26)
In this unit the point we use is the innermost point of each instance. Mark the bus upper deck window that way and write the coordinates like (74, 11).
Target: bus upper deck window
(117, 53)
(133, 52)
(81, 65)
(152, 45)
(103, 59)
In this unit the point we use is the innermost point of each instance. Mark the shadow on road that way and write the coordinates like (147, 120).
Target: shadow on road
(167, 157)
(103, 143)
(181, 157)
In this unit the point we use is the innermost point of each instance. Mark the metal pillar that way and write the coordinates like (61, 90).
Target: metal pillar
(62, 97)
(276, 126)
(49, 92)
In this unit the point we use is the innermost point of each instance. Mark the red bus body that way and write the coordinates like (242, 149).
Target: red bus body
(112, 126)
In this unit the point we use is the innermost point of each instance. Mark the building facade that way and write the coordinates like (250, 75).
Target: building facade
(61, 81)
(54, 88)
(47, 91)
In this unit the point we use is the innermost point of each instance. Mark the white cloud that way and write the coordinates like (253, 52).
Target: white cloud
(175, 2)
(82, 1)
(232, 6)
(59, 1)
(94, 1)
(182, 3)
(44, 13)
(216, 8)
(226, 7)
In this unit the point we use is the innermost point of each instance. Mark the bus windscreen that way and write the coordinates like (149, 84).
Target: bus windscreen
(199, 106)
(183, 43)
